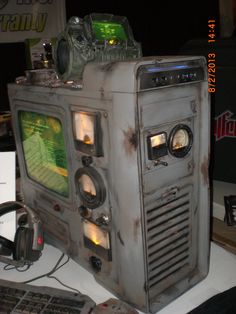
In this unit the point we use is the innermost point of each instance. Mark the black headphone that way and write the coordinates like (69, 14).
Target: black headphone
(28, 240)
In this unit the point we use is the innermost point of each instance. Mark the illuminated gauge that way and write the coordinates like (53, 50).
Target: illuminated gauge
(88, 187)
(96, 235)
(97, 239)
(87, 132)
(180, 140)
(91, 188)
(84, 127)
(157, 145)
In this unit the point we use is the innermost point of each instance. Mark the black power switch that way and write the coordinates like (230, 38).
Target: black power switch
(96, 263)
(87, 160)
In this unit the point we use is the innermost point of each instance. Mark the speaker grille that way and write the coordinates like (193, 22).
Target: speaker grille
(168, 241)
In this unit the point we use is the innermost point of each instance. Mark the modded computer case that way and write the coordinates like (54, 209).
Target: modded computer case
(117, 169)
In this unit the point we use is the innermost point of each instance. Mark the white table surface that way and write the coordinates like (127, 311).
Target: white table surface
(222, 276)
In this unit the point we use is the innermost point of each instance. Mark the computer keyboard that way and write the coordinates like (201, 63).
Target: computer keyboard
(16, 298)
(22, 298)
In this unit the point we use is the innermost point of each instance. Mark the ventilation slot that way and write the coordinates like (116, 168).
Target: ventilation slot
(168, 242)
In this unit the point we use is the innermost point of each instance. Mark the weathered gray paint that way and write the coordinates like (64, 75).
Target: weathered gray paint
(136, 188)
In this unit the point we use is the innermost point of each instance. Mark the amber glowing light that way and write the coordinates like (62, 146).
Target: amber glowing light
(84, 127)
(97, 235)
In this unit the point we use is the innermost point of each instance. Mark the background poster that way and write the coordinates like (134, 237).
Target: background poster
(7, 192)
(21, 19)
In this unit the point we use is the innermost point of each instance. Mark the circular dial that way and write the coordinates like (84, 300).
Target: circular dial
(180, 141)
(87, 186)
(90, 186)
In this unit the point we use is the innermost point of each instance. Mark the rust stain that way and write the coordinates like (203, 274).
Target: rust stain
(102, 93)
(130, 141)
(73, 249)
(119, 237)
(108, 66)
(113, 306)
(204, 170)
(136, 228)
(191, 166)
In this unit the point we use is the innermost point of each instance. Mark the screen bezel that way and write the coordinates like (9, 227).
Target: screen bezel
(26, 178)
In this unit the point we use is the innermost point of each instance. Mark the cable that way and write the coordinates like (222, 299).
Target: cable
(18, 268)
(64, 285)
(54, 269)
(50, 272)
(6, 207)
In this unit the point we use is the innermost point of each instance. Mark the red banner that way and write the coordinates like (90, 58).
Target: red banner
(225, 125)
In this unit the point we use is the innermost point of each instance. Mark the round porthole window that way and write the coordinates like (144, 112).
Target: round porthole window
(91, 187)
(180, 140)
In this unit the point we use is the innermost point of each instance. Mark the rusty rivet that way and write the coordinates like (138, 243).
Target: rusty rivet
(57, 207)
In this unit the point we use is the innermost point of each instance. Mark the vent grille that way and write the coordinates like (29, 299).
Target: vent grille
(168, 241)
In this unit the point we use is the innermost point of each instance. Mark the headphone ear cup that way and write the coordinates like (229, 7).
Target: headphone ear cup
(24, 245)
(20, 250)
(6, 246)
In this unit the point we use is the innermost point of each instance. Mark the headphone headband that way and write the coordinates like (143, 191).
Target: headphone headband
(8, 207)
(11, 206)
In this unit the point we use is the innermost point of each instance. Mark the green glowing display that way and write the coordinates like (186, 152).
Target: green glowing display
(108, 31)
(44, 151)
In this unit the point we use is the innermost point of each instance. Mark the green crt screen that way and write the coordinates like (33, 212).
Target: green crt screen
(108, 30)
(44, 151)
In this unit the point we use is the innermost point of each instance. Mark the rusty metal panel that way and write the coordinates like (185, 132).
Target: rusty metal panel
(155, 191)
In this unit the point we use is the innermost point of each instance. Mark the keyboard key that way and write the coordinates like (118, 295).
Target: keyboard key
(69, 302)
